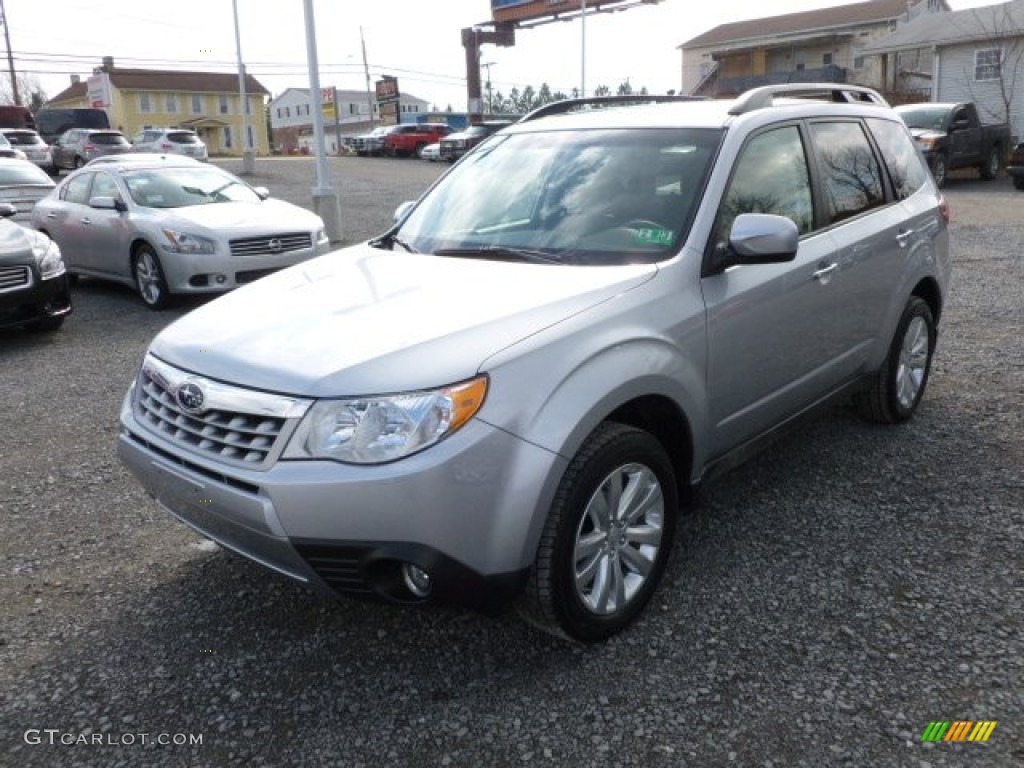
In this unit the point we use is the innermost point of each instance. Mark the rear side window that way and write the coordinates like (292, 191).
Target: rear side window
(183, 137)
(907, 171)
(851, 175)
(770, 177)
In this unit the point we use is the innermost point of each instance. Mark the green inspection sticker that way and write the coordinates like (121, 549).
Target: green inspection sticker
(651, 236)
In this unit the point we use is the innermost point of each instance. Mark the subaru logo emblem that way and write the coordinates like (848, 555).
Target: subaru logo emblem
(190, 397)
(275, 245)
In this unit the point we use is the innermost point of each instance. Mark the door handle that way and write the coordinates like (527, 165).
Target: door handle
(51, 215)
(825, 272)
(903, 237)
(86, 220)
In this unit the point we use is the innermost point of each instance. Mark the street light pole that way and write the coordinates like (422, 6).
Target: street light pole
(248, 156)
(325, 200)
(583, 49)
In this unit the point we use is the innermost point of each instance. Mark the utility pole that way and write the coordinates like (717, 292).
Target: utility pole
(487, 85)
(366, 69)
(10, 55)
(248, 155)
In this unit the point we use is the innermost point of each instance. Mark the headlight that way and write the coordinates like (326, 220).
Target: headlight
(47, 257)
(321, 236)
(184, 242)
(374, 430)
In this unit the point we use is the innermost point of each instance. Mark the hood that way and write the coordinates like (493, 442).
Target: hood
(365, 321)
(236, 219)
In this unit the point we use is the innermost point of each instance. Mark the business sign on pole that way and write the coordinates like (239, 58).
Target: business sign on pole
(527, 10)
(98, 90)
(388, 99)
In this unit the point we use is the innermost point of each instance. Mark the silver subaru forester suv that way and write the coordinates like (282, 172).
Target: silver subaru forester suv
(507, 396)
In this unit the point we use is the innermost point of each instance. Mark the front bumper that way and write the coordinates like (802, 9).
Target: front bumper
(38, 300)
(206, 273)
(463, 510)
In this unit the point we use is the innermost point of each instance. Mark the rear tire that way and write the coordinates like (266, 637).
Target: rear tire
(940, 169)
(1018, 182)
(45, 325)
(607, 538)
(899, 385)
(149, 278)
(990, 168)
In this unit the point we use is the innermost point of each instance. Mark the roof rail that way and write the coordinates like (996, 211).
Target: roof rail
(760, 98)
(577, 105)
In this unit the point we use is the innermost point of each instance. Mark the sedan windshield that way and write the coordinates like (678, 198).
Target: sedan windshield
(579, 197)
(181, 187)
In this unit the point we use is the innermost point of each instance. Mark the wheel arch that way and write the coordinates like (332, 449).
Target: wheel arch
(928, 290)
(666, 421)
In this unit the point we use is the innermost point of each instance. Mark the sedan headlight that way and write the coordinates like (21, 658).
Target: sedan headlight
(185, 242)
(48, 257)
(375, 430)
(321, 237)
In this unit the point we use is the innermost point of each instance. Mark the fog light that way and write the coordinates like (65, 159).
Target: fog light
(222, 279)
(416, 579)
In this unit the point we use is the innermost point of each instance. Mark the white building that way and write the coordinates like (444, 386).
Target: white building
(291, 116)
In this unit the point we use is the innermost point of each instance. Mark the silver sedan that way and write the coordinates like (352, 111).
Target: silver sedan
(174, 227)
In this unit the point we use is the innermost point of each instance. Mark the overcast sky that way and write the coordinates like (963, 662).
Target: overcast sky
(417, 42)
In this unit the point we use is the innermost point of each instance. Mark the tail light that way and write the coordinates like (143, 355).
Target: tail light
(944, 208)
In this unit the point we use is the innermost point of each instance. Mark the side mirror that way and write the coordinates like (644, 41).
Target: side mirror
(7, 210)
(757, 238)
(105, 202)
(402, 211)
(263, 192)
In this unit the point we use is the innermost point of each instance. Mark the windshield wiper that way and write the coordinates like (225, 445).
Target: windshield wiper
(501, 253)
(390, 241)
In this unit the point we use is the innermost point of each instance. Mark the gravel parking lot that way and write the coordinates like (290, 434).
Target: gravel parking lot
(825, 602)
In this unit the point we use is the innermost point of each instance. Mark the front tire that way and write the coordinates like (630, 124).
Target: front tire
(607, 538)
(149, 278)
(898, 387)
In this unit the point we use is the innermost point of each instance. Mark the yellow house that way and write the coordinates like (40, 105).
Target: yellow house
(206, 102)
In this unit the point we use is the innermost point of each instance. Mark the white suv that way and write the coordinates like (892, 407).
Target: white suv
(177, 141)
(510, 393)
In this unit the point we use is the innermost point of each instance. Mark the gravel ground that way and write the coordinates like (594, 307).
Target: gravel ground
(825, 602)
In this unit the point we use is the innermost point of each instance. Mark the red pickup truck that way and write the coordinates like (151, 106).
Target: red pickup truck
(410, 138)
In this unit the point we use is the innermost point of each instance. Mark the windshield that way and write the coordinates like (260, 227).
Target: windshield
(181, 187)
(925, 118)
(579, 197)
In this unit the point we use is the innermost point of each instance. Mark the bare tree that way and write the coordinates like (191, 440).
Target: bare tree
(1002, 32)
(32, 94)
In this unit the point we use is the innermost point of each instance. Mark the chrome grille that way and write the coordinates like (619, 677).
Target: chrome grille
(15, 278)
(271, 244)
(238, 427)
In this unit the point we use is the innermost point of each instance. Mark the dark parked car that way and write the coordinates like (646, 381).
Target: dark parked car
(455, 145)
(51, 123)
(34, 291)
(1015, 169)
(78, 146)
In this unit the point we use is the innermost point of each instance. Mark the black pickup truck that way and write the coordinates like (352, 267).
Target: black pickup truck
(952, 136)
